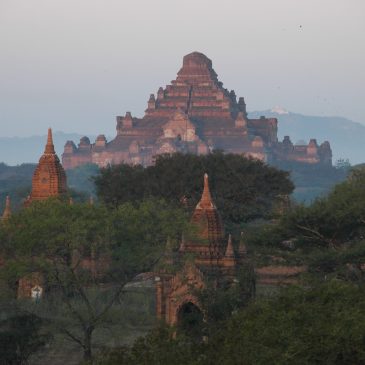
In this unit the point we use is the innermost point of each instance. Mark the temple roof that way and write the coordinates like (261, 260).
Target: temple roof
(197, 58)
(196, 69)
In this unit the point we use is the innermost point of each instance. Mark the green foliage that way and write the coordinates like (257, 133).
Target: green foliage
(52, 231)
(345, 263)
(332, 220)
(326, 236)
(219, 303)
(319, 325)
(144, 231)
(158, 347)
(20, 337)
(15, 181)
(322, 324)
(63, 242)
(243, 189)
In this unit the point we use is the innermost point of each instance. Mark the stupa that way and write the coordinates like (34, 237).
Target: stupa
(49, 178)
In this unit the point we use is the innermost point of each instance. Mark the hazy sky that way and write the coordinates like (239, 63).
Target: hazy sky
(76, 64)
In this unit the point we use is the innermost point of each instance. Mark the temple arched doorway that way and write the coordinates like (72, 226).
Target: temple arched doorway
(190, 320)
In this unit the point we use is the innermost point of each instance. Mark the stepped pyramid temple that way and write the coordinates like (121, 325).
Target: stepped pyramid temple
(49, 178)
(213, 255)
(194, 114)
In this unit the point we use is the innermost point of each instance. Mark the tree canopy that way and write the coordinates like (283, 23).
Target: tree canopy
(243, 189)
(322, 324)
(333, 220)
(78, 249)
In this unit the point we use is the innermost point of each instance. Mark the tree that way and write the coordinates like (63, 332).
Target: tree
(243, 189)
(332, 220)
(86, 255)
(322, 324)
(218, 303)
(20, 337)
(157, 347)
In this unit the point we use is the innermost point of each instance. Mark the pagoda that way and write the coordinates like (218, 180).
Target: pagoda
(49, 178)
(206, 255)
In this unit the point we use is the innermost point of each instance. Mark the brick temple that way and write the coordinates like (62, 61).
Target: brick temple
(195, 114)
(49, 178)
(214, 257)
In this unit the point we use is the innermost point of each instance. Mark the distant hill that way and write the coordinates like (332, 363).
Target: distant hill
(347, 138)
(18, 150)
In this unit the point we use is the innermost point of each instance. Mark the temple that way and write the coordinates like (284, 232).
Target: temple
(49, 178)
(194, 114)
(213, 258)
(49, 181)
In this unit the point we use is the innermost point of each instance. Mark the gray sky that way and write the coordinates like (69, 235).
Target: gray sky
(76, 64)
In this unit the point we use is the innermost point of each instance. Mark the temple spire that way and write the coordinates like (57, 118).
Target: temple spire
(206, 199)
(50, 146)
(7, 210)
(229, 249)
(207, 219)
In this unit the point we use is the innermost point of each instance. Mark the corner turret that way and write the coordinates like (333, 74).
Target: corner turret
(229, 250)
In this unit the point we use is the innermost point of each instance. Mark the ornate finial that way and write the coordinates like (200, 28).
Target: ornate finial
(49, 146)
(7, 210)
(229, 249)
(206, 199)
(242, 249)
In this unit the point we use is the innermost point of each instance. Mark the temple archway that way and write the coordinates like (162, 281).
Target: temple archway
(190, 320)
